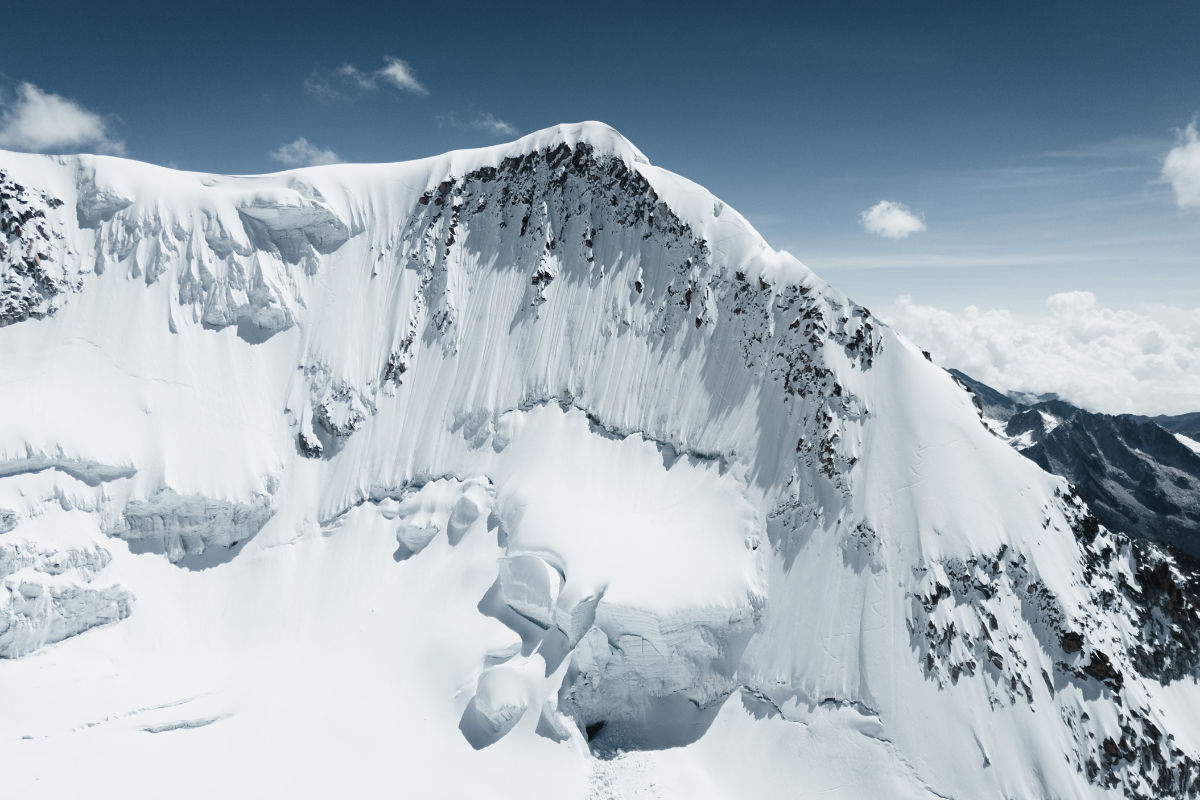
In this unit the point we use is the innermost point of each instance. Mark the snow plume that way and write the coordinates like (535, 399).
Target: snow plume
(1100, 358)
(1181, 168)
(38, 121)
(348, 82)
(303, 153)
(482, 121)
(891, 220)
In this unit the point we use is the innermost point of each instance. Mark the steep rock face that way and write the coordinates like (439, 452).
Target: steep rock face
(627, 480)
(32, 281)
(1123, 467)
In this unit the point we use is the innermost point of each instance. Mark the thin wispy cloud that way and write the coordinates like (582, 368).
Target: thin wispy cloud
(398, 73)
(482, 121)
(1131, 149)
(348, 82)
(355, 77)
(1181, 168)
(303, 153)
(39, 121)
(330, 86)
(891, 220)
(490, 124)
(1105, 359)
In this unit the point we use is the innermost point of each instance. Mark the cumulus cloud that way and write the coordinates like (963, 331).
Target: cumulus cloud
(483, 122)
(348, 82)
(303, 153)
(40, 121)
(400, 74)
(891, 220)
(1110, 360)
(1181, 168)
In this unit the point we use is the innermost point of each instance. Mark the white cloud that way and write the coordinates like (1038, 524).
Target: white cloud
(40, 121)
(326, 87)
(355, 76)
(1110, 360)
(400, 74)
(303, 153)
(348, 82)
(891, 220)
(492, 125)
(1181, 168)
(482, 121)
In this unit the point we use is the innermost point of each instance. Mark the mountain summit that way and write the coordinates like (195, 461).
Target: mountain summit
(529, 470)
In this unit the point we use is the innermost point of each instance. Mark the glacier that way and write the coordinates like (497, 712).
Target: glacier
(524, 471)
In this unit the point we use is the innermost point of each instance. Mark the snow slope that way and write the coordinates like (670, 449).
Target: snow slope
(523, 471)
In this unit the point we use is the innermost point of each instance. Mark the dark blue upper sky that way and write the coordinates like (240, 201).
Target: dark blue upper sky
(1031, 136)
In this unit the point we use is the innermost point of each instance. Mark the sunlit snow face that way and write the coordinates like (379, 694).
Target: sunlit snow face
(618, 516)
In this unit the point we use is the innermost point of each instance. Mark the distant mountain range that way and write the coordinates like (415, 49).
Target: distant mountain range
(1140, 475)
(1186, 424)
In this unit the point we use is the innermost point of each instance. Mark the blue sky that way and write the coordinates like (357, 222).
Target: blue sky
(1029, 137)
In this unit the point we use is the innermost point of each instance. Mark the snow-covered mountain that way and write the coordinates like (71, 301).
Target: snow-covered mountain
(1137, 476)
(524, 471)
